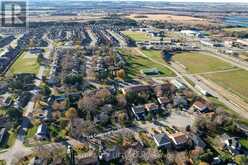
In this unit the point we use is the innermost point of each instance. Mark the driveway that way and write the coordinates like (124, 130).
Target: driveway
(179, 119)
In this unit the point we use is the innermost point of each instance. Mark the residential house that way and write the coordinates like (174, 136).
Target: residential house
(243, 128)
(200, 106)
(3, 87)
(136, 89)
(232, 145)
(150, 71)
(42, 132)
(179, 140)
(162, 140)
(181, 102)
(23, 100)
(3, 133)
(178, 84)
(101, 118)
(198, 142)
(163, 101)
(138, 111)
(151, 107)
(89, 158)
(5, 102)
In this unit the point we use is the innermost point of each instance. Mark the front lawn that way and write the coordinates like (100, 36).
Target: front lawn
(244, 143)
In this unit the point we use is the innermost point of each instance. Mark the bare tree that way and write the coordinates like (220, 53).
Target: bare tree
(150, 155)
(131, 156)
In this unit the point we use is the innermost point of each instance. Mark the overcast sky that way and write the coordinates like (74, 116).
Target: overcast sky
(244, 1)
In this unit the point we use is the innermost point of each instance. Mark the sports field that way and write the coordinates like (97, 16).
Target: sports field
(136, 63)
(26, 63)
(234, 81)
(139, 36)
(200, 62)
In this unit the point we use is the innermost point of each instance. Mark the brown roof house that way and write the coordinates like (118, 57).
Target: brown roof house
(151, 107)
(179, 140)
(201, 106)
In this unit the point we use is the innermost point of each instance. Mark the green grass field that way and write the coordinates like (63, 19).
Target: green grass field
(234, 81)
(137, 63)
(26, 63)
(155, 54)
(200, 62)
(140, 36)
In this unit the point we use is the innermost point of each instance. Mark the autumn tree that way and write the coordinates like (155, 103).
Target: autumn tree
(104, 95)
(121, 101)
(71, 113)
(121, 74)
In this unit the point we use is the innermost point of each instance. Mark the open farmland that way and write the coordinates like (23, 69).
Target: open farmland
(241, 29)
(169, 18)
(26, 63)
(137, 63)
(200, 62)
(234, 81)
(139, 36)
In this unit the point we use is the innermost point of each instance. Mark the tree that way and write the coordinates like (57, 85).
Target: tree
(207, 156)
(104, 95)
(45, 90)
(87, 104)
(131, 156)
(121, 101)
(121, 74)
(71, 113)
(14, 114)
(150, 155)
(73, 79)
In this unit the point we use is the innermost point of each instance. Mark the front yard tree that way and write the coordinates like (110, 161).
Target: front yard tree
(121, 74)
(45, 90)
(87, 104)
(71, 113)
(121, 101)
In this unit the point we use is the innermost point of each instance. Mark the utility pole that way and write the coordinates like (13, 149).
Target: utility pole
(71, 155)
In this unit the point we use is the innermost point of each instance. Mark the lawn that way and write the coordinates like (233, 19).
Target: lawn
(234, 81)
(26, 63)
(140, 36)
(137, 63)
(244, 143)
(11, 138)
(31, 132)
(155, 54)
(200, 62)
